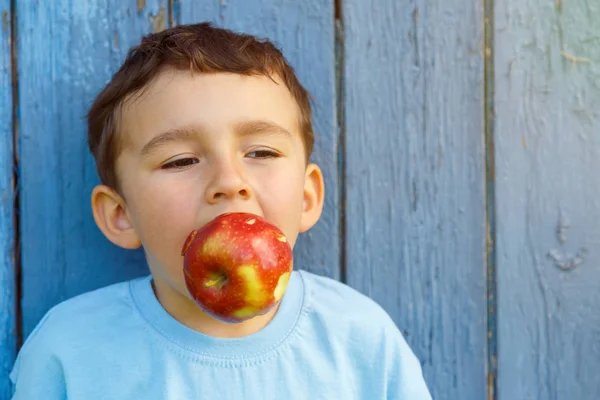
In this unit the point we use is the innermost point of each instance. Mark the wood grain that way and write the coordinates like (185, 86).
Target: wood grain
(415, 179)
(8, 332)
(547, 68)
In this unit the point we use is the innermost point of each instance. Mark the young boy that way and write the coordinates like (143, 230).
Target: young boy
(200, 121)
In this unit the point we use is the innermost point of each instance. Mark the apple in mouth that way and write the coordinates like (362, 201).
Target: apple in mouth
(237, 266)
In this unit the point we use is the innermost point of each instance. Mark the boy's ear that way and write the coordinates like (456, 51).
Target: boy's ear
(314, 193)
(111, 216)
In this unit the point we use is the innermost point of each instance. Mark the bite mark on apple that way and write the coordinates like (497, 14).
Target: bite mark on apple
(245, 312)
(281, 286)
(188, 242)
(282, 239)
(254, 290)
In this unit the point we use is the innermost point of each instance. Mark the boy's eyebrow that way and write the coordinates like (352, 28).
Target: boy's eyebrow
(242, 129)
(172, 135)
(260, 126)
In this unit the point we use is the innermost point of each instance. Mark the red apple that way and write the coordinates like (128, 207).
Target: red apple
(237, 266)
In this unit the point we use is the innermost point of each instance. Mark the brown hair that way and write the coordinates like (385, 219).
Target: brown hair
(201, 48)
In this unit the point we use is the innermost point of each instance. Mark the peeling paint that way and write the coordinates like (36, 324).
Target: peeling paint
(491, 379)
(4, 21)
(159, 21)
(562, 227)
(558, 6)
(140, 5)
(562, 259)
(574, 60)
(222, 6)
(566, 261)
(489, 107)
(488, 53)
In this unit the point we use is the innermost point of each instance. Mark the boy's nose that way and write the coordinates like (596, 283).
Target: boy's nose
(228, 183)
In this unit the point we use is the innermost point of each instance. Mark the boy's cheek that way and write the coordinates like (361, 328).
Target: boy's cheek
(164, 233)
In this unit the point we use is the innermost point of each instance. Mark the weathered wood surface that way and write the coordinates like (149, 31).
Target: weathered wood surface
(8, 333)
(415, 179)
(67, 51)
(547, 135)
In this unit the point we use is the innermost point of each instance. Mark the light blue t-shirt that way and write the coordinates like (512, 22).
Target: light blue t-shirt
(327, 341)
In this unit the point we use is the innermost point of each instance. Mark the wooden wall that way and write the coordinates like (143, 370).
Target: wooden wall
(547, 186)
(459, 139)
(8, 278)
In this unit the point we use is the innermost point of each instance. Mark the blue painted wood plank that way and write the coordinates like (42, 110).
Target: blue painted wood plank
(67, 51)
(547, 80)
(8, 334)
(304, 31)
(415, 179)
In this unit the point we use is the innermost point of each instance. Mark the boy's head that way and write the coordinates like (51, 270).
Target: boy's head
(200, 121)
(196, 48)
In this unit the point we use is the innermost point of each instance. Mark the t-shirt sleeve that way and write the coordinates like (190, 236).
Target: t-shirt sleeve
(404, 373)
(37, 372)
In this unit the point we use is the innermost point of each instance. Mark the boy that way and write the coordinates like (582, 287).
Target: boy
(200, 121)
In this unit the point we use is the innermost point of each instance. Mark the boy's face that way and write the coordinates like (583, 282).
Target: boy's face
(196, 146)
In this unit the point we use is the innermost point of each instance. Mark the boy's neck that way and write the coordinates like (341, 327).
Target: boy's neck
(189, 314)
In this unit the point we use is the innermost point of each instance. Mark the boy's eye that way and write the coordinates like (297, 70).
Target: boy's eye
(262, 154)
(180, 163)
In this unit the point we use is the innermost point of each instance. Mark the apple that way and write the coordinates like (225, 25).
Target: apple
(237, 266)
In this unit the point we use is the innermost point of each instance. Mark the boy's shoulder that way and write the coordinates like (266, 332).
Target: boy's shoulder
(67, 322)
(98, 300)
(370, 341)
(342, 305)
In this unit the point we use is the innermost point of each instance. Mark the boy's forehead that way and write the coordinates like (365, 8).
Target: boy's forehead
(181, 97)
(172, 83)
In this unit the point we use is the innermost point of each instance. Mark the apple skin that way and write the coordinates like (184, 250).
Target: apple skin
(237, 266)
